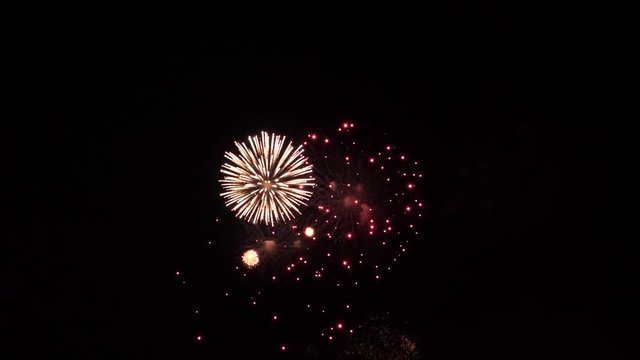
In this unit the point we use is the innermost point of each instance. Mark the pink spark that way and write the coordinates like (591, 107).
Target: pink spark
(326, 141)
(339, 326)
(199, 338)
(371, 160)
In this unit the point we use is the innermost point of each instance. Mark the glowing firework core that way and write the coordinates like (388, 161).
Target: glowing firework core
(250, 258)
(309, 232)
(266, 182)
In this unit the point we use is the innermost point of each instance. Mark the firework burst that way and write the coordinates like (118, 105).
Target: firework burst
(266, 181)
(250, 258)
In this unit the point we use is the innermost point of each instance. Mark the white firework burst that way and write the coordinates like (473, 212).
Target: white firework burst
(266, 181)
(250, 258)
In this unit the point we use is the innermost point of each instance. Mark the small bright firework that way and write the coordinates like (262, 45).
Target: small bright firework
(309, 231)
(267, 181)
(250, 258)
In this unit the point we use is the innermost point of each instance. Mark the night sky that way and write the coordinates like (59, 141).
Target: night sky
(519, 118)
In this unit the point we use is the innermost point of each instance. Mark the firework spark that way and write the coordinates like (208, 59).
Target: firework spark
(250, 258)
(309, 231)
(267, 181)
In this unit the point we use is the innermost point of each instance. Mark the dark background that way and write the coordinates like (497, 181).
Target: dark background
(521, 116)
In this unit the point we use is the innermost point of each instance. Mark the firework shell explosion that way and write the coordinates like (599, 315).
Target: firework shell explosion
(266, 181)
(336, 225)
